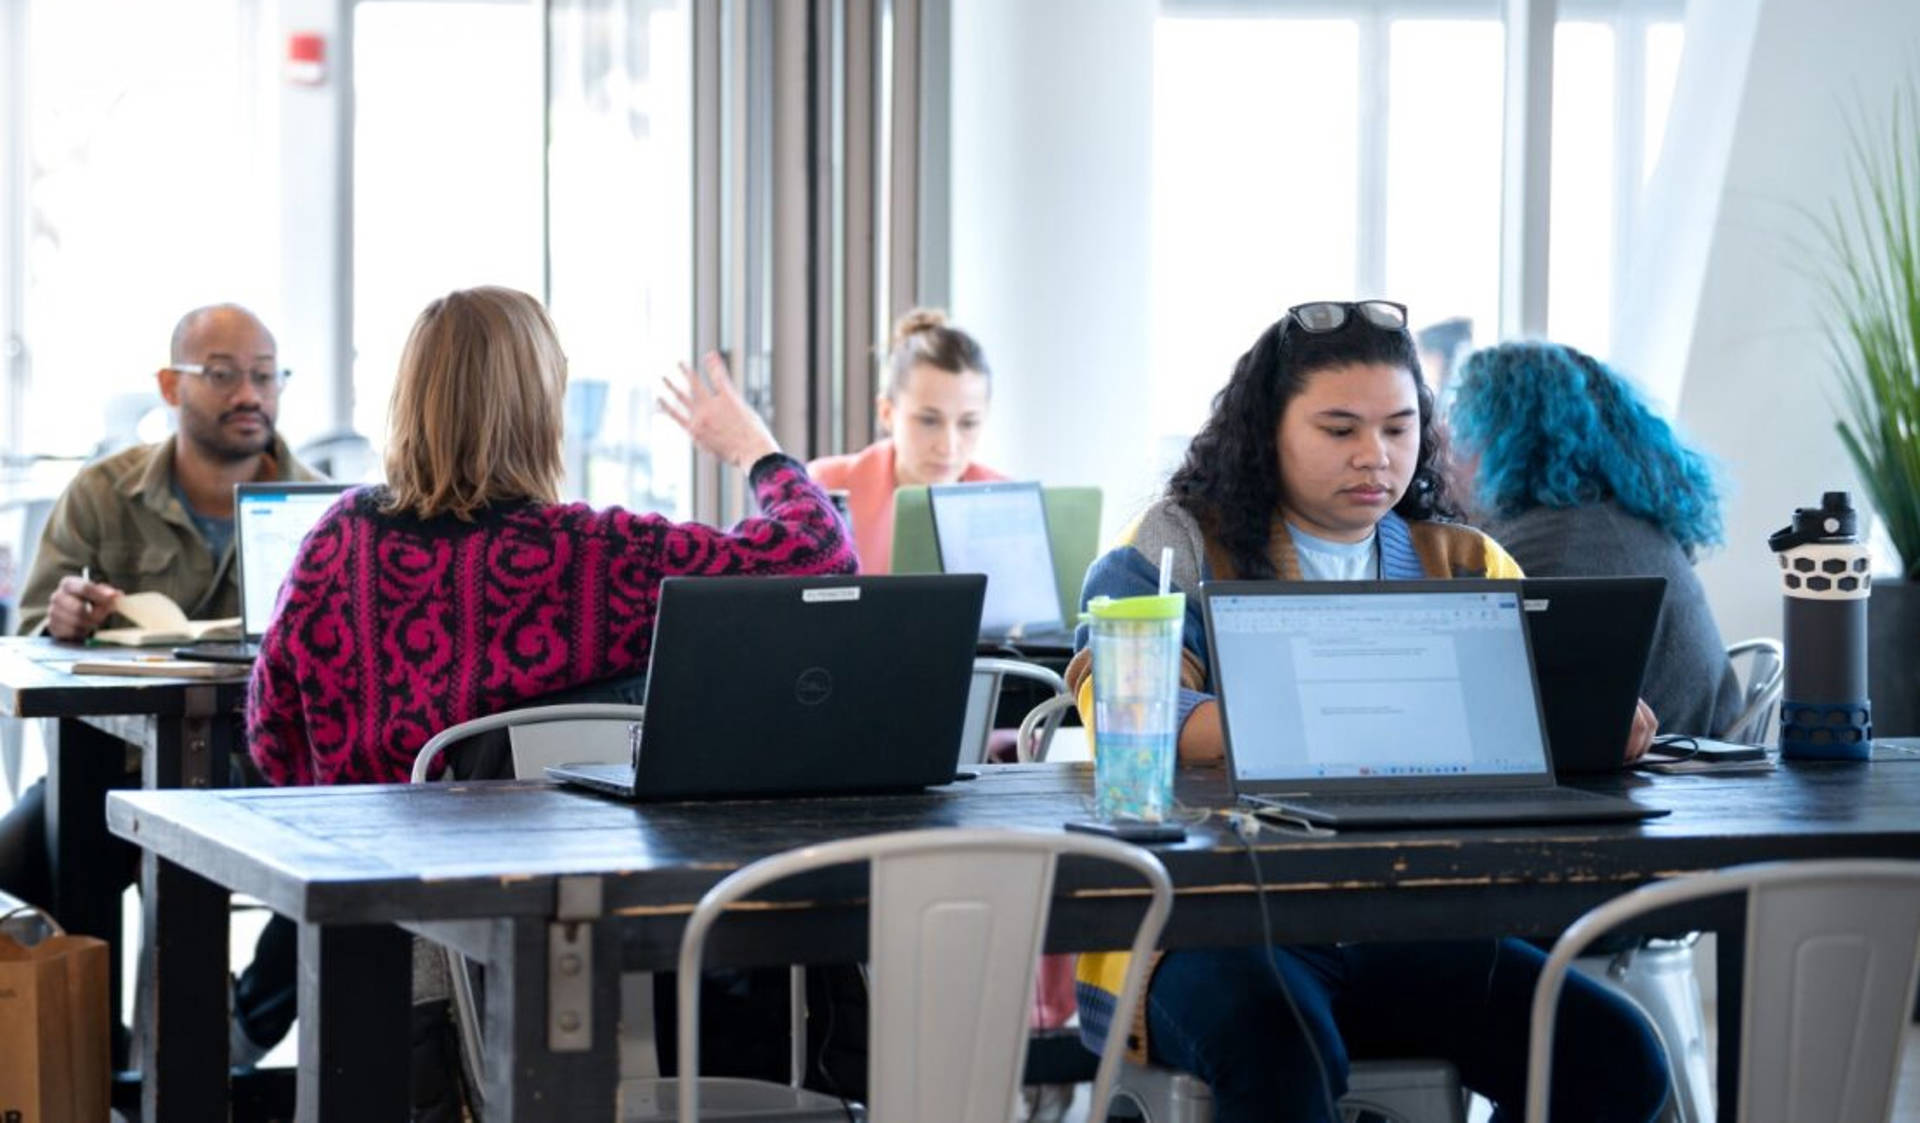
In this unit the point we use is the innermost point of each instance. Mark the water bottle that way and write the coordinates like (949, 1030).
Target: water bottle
(1824, 710)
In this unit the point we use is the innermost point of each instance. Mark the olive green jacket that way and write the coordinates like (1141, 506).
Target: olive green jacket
(120, 520)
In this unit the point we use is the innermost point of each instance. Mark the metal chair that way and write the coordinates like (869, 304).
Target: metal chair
(33, 521)
(948, 1046)
(1409, 1091)
(1766, 673)
(1658, 975)
(1832, 949)
(521, 744)
(983, 700)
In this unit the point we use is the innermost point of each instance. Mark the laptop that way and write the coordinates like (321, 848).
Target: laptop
(1000, 530)
(269, 521)
(1591, 637)
(1386, 704)
(771, 686)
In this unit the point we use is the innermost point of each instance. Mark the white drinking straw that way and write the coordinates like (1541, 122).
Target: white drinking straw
(1166, 570)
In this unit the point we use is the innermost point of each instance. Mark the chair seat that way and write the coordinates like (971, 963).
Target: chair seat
(655, 1101)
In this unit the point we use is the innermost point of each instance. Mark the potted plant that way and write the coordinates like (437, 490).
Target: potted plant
(1873, 292)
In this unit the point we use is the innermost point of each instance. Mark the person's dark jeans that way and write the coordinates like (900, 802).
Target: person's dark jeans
(264, 998)
(1222, 1016)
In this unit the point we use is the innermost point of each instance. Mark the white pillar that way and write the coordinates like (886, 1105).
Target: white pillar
(315, 330)
(1052, 226)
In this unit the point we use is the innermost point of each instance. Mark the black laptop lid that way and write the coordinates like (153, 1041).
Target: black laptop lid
(793, 685)
(1591, 637)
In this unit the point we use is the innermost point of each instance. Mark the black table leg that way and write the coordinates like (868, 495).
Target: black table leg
(90, 867)
(183, 1059)
(355, 986)
(526, 1078)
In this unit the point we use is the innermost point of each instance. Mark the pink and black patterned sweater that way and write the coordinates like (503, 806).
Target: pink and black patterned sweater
(392, 628)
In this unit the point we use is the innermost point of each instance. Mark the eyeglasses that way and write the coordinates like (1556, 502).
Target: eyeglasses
(1323, 316)
(227, 379)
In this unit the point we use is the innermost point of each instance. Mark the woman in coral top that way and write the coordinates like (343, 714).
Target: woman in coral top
(934, 407)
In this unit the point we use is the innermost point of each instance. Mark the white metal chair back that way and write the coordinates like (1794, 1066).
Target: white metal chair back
(566, 742)
(983, 701)
(582, 732)
(1766, 674)
(1831, 955)
(956, 919)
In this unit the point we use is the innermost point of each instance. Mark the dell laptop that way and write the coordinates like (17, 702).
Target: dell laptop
(1000, 530)
(269, 522)
(771, 686)
(1386, 704)
(1591, 637)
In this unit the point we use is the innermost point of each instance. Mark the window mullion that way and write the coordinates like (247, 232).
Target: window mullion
(1629, 143)
(1370, 264)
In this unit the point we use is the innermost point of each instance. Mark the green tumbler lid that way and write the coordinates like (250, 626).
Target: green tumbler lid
(1171, 606)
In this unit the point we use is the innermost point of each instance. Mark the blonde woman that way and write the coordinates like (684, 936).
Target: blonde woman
(463, 586)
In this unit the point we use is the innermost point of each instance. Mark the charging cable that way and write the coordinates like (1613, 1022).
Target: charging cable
(1246, 826)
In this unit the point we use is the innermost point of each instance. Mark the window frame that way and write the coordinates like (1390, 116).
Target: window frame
(1629, 19)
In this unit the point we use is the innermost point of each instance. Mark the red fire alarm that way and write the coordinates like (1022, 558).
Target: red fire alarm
(307, 58)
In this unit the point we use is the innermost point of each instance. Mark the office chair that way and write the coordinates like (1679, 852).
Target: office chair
(1831, 953)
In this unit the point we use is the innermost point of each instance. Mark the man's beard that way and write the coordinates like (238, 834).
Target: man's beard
(212, 439)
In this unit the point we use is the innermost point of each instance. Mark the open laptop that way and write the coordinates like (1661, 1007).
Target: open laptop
(1386, 704)
(1000, 530)
(1591, 637)
(269, 520)
(765, 686)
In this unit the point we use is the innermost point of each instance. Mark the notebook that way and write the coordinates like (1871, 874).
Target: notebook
(1386, 704)
(774, 686)
(1000, 530)
(1591, 637)
(270, 520)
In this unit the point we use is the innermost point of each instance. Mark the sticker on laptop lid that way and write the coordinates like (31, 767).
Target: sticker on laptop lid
(1536, 604)
(827, 596)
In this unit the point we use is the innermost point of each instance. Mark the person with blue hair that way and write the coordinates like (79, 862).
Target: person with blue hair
(1577, 476)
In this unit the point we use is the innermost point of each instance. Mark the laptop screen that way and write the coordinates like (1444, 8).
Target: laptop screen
(1416, 684)
(269, 523)
(1000, 529)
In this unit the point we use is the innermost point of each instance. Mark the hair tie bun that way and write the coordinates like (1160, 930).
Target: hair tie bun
(916, 321)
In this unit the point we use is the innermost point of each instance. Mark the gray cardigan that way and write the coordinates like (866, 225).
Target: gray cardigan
(1690, 684)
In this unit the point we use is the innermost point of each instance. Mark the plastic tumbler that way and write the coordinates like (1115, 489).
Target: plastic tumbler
(1136, 703)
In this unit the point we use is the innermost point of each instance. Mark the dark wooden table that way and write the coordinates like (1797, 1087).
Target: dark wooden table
(182, 730)
(515, 872)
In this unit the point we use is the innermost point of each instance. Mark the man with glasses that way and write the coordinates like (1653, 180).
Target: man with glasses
(159, 517)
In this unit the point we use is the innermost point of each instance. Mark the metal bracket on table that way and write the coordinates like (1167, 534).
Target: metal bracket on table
(196, 737)
(570, 966)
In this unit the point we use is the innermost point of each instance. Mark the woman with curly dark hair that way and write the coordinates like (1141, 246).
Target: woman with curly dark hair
(1322, 461)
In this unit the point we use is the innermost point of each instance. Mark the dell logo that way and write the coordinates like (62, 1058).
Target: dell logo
(814, 686)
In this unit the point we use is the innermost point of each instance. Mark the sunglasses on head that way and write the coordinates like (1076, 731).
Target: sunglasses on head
(1323, 316)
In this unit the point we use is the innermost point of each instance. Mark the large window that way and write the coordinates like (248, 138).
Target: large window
(1301, 157)
(451, 190)
(150, 188)
(619, 241)
(447, 136)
